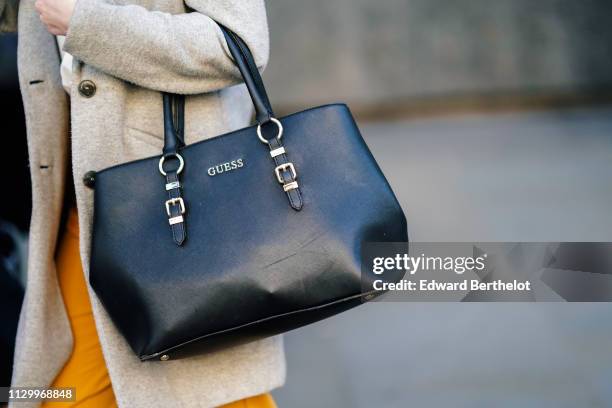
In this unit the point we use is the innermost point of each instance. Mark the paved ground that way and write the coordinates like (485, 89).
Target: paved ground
(514, 177)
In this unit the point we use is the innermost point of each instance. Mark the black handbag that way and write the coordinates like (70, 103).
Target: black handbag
(242, 236)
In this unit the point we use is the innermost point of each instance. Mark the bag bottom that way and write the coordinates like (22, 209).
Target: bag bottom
(259, 329)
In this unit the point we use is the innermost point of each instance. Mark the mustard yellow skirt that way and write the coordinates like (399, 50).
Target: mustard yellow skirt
(85, 370)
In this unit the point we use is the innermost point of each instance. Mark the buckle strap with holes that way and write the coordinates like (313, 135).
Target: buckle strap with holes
(285, 171)
(174, 205)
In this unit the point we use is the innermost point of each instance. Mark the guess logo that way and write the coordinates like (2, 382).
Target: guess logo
(225, 167)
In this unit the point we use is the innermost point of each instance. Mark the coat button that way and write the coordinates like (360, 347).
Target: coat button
(89, 179)
(87, 88)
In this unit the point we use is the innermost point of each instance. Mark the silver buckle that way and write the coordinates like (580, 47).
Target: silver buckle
(173, 201)
(284, 167)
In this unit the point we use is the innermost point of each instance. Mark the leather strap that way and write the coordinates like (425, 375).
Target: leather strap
(286, 173)
(248, 69)
(172, 128)
(175, 208)
(172, 163)
(179, 117)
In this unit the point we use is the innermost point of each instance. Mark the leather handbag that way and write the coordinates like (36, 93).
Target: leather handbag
(241, 236)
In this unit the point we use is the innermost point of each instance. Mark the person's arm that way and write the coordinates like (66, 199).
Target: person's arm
(181, 53)
(8, 15)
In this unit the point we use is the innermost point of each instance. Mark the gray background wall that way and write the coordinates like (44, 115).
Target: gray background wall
(396, 51)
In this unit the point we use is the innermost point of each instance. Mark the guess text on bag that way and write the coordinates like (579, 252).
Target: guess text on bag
(225, 167)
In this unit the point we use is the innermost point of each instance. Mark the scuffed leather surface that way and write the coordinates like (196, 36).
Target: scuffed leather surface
(249, 256)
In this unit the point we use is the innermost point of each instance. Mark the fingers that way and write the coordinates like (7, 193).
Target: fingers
(39, 5)
(56, 30)
(51, 27)
(49, 17)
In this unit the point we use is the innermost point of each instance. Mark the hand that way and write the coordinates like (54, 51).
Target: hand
(55, 14)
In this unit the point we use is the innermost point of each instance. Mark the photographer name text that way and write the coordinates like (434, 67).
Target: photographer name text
(461, 286)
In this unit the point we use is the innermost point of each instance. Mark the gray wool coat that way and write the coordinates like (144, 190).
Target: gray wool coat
(130, 52)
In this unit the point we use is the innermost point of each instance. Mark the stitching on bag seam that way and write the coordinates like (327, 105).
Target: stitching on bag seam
(252, 128)
(265, 319)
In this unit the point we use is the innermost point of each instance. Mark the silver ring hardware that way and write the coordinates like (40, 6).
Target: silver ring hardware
(174, 201)
(284, 167)
(278, 136)
(163, 159)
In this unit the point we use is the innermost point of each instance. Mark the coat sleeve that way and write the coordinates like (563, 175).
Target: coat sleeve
(179, 53)
(8, 15)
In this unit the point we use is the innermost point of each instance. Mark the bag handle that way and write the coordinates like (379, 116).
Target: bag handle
(174, 122)
(243, 58)
(248, 69)
(285, 171)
